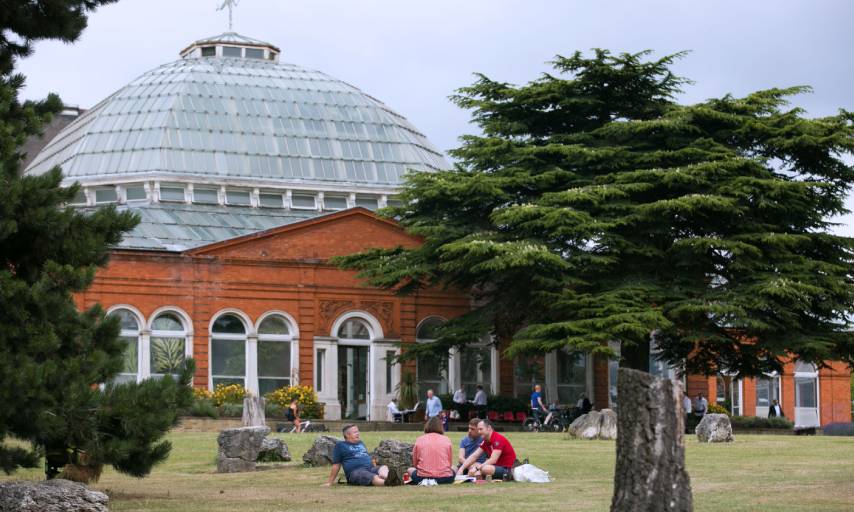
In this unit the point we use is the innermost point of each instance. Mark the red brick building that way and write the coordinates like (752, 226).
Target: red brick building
(248, 175)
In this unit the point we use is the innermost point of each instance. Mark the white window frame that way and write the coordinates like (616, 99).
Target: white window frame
(292, 338)
(450, 374)
(184, 318)
(249, 349)
(140, 322)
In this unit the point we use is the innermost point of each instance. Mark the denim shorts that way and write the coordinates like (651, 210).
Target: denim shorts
(363, 476)
(440, 480)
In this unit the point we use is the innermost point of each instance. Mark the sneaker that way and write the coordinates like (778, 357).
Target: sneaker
(393, 478)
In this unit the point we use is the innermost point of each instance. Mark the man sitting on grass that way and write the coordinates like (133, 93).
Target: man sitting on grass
(501, 455)
(358, 466)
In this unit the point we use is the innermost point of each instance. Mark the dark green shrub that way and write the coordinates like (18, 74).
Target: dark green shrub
(764, 423)
(231, 410)
(838, 429)
(203, 408)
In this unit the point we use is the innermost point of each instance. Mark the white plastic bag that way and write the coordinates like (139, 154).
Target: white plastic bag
(530, 473)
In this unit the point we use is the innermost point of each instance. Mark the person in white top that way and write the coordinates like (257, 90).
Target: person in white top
(394, 413)
(775, 411)
(460, 396)
(480, 397)
(701, 405)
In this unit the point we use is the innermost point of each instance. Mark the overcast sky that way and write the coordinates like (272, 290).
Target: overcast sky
(413, 54)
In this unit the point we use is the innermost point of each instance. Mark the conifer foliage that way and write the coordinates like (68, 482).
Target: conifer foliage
(594, 207)
(52, 356)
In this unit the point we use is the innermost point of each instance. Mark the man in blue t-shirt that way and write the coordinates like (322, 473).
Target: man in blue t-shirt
(358, 466)
(469, 443)
(537, 405)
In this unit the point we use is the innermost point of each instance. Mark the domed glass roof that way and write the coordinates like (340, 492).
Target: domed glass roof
(229, 110)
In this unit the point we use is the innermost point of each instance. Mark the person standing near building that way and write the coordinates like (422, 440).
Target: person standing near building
(687, 407)
(479, 401)
(460, 396)
(434, 405)
(701, 406)
(775, 411)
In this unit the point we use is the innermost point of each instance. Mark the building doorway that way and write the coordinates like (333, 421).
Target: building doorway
(806, 395)
(353, 389)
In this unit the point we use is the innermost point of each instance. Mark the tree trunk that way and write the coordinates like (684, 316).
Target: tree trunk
(650, 473)
(253, 412)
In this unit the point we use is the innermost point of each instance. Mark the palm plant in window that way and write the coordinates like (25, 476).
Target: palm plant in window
(167, 355)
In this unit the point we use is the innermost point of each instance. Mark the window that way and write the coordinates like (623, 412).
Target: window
(172, 193)
(571, 376)
(168, 345)
(303, 202)
(354, 329)
(528, 371)
(129, 335)
(270, 200)
(239, 197)
(274, 354)
(431, 370)
(79, 197)
(476, 368)
(254, 53)
(208, 51)
(135, 193)
(370, 203)
(228, 351)
(805, 392)
(320, 362)
(767, 390)
(106, 195)
(232, 51)
(205, 195)
(389, 365)
(335, 203)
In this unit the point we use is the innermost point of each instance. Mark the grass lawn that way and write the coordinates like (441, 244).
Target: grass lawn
(752, 473)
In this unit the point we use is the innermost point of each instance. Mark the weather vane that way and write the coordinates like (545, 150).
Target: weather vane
(230, 4)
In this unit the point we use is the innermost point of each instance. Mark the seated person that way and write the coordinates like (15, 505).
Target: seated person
(584, 404)
(500, 454)
(358, 466)
(393, 412)
(538, 407)
(432, 455)
(469, 443)
(292, 414)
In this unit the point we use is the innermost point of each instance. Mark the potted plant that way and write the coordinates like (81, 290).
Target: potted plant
(407, 390)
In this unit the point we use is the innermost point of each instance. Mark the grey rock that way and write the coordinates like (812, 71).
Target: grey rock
(274, 450)
(320, 453)
(586, 426)
(50, 496)
(607, 424)
(239, 448)
(595, 425)
(233, 465)
(242, 443)
(714, 428)
(397, 455)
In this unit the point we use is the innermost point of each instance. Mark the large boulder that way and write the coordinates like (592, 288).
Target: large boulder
(595, 425)
(397, 455)
(714, 428)
(607, 424)
(320, 453)
(50, 496)
(239, 448)
(586, 426)
(274, 450)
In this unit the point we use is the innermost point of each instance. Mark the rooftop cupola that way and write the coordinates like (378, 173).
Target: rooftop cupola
(231, 45)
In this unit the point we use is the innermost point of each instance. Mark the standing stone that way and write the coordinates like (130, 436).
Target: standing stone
(320, 453)
(650, 473)
(397, 455)
(50, 496)
(714, 428)
(607, 424)
(253, 411)
(239, 448)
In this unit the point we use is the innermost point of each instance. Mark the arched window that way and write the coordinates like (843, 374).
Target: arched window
(354, 329)
(431, 371)
(168, 344)
(228, 350)
(129, 335)
(274, 354)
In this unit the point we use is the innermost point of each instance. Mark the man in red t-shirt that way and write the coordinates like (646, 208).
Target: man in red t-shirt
(501, 455)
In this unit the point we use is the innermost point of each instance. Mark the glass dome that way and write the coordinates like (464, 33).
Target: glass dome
(228, 110)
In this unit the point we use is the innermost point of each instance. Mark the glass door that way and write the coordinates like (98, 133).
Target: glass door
(353, 382)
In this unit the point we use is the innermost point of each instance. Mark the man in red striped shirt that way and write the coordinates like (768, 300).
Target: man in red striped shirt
(498, 449)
